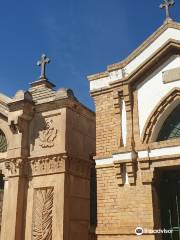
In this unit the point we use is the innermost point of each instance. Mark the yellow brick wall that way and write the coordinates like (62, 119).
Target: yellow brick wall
(122, 206)
(120, 209)
(106, 125)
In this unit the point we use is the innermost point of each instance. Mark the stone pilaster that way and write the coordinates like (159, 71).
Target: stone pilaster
(14, 203)
(117, 96)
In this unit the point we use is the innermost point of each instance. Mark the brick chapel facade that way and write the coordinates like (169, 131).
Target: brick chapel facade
(137, 141)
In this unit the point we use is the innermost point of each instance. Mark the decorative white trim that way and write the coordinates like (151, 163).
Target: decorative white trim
(104, 161)
(100, 83)
(115, 75)
(141, 154)
(115, 157)
(105, 81)
(159, 152)
(148, 91)
(126, 179)
(170, 33)
(122, 156)
(124, 123)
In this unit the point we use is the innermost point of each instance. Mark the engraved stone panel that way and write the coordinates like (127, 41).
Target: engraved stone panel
(171, 75)
(47, 165)
(48, 135)
(42, 214)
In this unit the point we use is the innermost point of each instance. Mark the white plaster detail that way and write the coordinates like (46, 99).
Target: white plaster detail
(126, 179)
(104, 161)
(105, 82)
(100, 83)
(115, 157)
(124, 123)
(125, 175)
(141, 154)
(122, 156)
(115, 75)
(170, 33)
(152, 90)
(159, 152)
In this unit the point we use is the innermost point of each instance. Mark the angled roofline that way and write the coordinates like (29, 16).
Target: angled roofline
(170, 46)
(167, 24)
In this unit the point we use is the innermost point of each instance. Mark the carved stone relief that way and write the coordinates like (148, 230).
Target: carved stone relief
(14, 166)
(47, 135)
(42, 214)
(47, 165)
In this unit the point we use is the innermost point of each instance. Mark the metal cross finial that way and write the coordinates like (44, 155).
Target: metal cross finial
(167, 4)
(44, 60)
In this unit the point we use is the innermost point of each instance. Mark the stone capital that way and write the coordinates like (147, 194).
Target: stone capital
(15, 167)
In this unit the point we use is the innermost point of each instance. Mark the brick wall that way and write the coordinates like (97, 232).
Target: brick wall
(120, 209)
(106, 125)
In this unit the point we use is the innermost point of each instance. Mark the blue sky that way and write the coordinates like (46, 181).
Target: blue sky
(81, 37)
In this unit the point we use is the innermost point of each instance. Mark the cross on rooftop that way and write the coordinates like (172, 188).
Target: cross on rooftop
(167, 4)
(44, 60)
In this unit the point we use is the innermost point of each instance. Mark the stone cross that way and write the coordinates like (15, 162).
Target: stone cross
(167, 4)
(44, 60)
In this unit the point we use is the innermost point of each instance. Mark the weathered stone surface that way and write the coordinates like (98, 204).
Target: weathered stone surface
(46, 166)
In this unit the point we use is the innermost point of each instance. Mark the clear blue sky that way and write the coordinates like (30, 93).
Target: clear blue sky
(81, 37)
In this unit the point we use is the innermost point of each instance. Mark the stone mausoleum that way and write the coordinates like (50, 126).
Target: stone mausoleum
(47, 138)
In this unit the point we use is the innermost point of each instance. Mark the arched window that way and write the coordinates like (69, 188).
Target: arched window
(171, 126)
(3, 142)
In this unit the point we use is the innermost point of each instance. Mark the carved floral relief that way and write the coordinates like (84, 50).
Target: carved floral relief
(48, 135)
(42, 214)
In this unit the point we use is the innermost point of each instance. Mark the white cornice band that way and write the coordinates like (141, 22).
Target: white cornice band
(104, 82)
(115, 157)
(141, 154)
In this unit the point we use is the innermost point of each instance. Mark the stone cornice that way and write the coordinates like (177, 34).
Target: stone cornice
(145, 44)
(135, 53)
(164, 158)
(46, 165)
(59, 163)
(65, 103)
(171, 47)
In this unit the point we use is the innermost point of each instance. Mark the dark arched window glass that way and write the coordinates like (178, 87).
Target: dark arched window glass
(3, 142)
(171, 126)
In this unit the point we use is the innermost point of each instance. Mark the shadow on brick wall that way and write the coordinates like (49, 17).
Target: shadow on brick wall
(93, 203)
